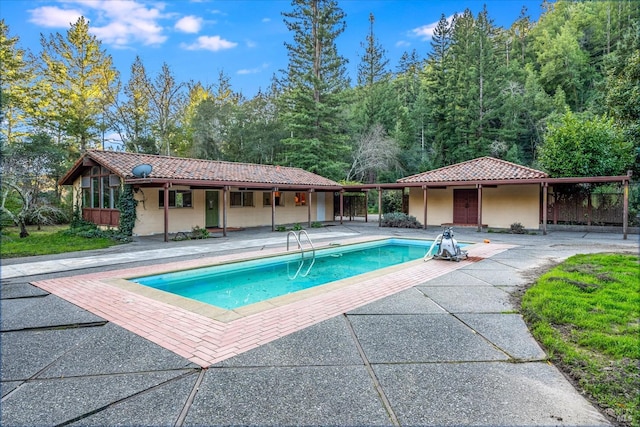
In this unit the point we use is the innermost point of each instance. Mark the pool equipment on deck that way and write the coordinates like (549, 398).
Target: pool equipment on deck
(446, 247)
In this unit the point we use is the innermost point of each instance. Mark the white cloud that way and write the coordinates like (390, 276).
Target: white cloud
(54, 17)
(402, 43)
(266, 20)
(118, 23)
(212, 43)
(127, 21)
(189, 24)
(425, 32)
(256, 70)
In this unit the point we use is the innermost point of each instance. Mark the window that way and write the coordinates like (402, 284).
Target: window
(100, 189)
(279, 198)
(177, 199)
(241, 198)
(301, 199)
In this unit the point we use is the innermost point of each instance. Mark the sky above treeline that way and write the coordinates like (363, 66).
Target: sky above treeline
(244, 39)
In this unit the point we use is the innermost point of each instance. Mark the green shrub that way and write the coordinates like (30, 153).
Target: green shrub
(517, 228)
(399, 220)
(199, 233)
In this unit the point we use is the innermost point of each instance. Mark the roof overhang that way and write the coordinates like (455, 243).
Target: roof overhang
(537, 181)
(204, 184)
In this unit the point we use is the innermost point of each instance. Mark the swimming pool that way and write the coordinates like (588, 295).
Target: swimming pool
(234, 285)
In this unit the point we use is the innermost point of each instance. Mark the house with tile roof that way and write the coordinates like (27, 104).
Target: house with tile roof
(488, 192)
(478, 192)
(177, 194)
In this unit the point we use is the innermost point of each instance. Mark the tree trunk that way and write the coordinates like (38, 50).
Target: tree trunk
(23, 230)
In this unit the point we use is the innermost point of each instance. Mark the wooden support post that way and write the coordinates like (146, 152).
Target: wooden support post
(545, 207)
(625, 206)
(273, 209)
(341, 205)
(225, 197)
(166, 211)
(309, 206)
(366, 206)
(424, 205)
(479, 207)
(379, 207)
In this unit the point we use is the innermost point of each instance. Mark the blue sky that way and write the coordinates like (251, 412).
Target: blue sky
(245, 39)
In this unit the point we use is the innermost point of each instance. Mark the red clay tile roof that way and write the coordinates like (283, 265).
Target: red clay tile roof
(480, 169)
(185, 169)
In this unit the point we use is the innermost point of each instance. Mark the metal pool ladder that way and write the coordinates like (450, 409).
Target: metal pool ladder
(297, 237)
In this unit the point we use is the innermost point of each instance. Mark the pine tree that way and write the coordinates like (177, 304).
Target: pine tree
(80, 80)
(166, 101)
(16, 87)
(131, 119)
(314, 81)
(440, 100)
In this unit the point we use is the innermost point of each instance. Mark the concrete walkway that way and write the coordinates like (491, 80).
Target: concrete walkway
(450, 350)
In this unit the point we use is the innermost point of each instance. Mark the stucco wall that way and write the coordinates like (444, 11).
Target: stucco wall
(507, 204)
(501, 206)
(150, 218)
(439, 205)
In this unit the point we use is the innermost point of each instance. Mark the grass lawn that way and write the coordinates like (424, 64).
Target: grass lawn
(49, 240)
(586, 313)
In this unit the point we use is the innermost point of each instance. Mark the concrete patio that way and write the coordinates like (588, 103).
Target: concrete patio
(449, 350)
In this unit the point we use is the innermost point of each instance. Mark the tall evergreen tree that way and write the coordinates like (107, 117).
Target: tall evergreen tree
(166, 101)
(373, 78)
(131, 118)
(438, 71)
(373, 64)
(16, 87)
(80, 79)
(314, 81)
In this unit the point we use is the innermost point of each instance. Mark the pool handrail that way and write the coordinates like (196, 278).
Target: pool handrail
(299, 242)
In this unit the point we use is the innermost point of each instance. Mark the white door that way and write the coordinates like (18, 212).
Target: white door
(320, 209)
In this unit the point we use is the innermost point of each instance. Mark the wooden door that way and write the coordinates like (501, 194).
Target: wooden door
(465, 206)
(212, 217)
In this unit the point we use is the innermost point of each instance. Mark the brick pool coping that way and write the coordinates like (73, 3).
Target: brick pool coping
(206, 335)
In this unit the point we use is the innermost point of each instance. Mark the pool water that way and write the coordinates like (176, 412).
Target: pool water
(238, 284)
